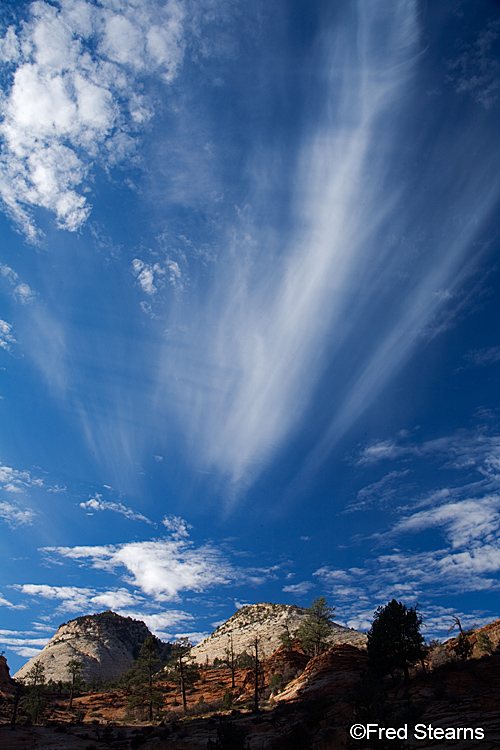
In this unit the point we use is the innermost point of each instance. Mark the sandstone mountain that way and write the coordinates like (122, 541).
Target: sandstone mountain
(106, 644)
(266, 622)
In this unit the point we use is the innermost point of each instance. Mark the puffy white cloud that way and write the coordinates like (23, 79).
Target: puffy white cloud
(177, 527)
(6, 336)
(152, 276)
(23, 294)
(164, 568)
(69, 103)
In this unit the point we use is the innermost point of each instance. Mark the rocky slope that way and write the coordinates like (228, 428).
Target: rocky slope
(106, 644)
(266, 622)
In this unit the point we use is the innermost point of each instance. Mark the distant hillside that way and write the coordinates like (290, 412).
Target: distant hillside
(105, 643)
(267, 622)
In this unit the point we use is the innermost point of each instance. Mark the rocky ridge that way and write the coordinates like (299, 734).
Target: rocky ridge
(105, 644)
(266, 622)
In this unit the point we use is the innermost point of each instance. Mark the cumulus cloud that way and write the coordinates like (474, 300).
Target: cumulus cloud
(153, 276)
(96, 503)
(6, 336)
(73, 65)
(164, 568)
(23, 293)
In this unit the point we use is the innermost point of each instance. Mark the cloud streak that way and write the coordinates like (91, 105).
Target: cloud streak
(278, 321)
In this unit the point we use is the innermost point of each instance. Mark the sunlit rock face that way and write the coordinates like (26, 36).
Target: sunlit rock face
(106, 644)
(266, 623)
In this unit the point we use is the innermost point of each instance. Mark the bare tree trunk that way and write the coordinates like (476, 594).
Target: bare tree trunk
(183, 684)
(256, 687)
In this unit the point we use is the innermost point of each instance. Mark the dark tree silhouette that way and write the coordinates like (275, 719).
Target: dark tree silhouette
(394, 639)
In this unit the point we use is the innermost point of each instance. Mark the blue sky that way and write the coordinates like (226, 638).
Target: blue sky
(249, 281)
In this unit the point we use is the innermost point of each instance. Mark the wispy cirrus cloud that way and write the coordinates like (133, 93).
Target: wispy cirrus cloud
(76, 599)
(282, 314)
(96, 503)
(300, 589)
(482, 357)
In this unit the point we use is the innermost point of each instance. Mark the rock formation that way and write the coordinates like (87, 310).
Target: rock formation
(105, 644)
(7, 684)
(266, 622)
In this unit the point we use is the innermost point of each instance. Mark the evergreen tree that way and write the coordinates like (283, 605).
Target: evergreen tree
(74, 667)
(180, 669)
(394, 639)
(34, 702)
(143, 676)
(315, 629)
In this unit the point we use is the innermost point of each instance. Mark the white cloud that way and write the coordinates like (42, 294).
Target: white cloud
(298, 588)
(5, 602)
(8, 273)
(13, 480)
(464, 522)
(164, 568)
(74, 64)
(76, 599)
(159, 621)
(23, 294)
(96, 503)
(6, 336)
(177, 526)
(152, 276)
(161, 569)
(14, 515)
(482, 357)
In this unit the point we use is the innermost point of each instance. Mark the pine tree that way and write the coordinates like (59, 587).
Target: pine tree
(74, 668)
(180, 669)
(394, 639)
(315, 629)
(34, 702)
(142, 677)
